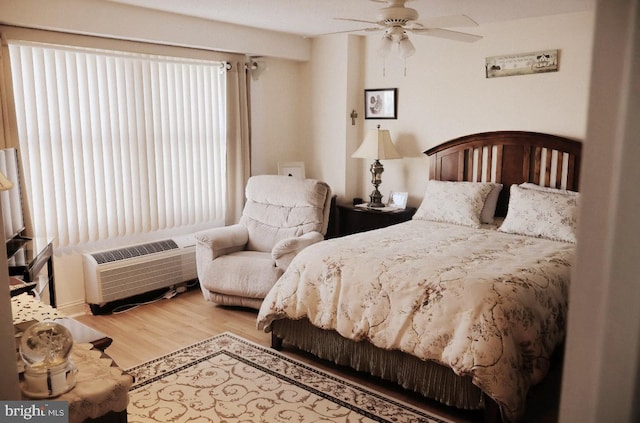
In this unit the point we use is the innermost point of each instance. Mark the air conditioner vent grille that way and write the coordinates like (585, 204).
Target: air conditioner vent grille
(134, 251)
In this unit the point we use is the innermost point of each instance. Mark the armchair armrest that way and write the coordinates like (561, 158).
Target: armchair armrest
(285, 250)
(223, 240)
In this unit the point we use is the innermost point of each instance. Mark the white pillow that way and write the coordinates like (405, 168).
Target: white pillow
(541, 213)
(453, 202)
(489, 210)
(529, 185)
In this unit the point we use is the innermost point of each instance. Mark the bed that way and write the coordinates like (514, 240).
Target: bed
(465, 303)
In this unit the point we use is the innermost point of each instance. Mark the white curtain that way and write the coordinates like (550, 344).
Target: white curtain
(115, 144)
(238, 140)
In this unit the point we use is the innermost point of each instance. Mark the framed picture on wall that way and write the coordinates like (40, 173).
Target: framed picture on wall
(381, 103)
(295, 169)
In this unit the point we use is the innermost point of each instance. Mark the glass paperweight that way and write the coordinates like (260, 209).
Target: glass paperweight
(45, 349)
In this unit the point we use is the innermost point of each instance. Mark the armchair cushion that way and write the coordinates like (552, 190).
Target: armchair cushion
(249, 274)
(223, 240)
(286, 249)
(280, 207)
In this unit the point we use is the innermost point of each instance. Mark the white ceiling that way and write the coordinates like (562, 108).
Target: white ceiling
(314, 17)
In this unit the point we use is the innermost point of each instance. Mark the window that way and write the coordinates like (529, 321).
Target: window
(115, 144)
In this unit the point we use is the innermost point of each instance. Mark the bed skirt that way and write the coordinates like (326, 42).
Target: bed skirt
(427, 378)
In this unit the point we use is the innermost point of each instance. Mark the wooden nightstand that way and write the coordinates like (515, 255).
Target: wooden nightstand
(352, 219)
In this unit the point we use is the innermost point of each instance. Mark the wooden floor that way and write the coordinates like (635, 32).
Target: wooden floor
(151, 330)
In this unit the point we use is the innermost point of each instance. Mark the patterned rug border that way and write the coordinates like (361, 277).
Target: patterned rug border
(223, 349)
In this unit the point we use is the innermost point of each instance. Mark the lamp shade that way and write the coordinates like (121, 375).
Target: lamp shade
(406, 47)
(385, 45)
(377, 145)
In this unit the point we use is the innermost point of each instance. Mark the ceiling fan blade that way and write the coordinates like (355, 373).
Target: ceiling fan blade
(358, 20)
(389, 1)
(445, 33)
(454, 21)
(350, 30)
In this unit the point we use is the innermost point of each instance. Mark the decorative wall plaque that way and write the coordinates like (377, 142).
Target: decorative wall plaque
(522, 64)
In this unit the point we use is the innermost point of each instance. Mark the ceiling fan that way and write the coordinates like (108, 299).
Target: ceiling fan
(396, 20)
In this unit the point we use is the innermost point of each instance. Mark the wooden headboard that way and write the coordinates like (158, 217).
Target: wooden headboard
(508, 157)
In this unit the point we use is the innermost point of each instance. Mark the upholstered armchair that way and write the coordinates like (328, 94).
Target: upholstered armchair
(239, 264)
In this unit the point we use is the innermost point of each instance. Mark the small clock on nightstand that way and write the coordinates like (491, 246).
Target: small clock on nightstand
(352, 219)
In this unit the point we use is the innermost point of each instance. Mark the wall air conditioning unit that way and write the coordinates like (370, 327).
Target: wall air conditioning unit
(120, 273)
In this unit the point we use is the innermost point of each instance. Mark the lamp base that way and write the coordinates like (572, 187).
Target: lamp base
(375, 199)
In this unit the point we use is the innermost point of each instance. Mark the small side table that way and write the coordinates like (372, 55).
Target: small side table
(27, 310)
(101, 393)
(352, 219)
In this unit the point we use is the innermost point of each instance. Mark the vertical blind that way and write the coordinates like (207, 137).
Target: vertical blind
(116, 144)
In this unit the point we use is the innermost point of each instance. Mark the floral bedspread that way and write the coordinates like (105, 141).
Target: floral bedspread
(484, 303)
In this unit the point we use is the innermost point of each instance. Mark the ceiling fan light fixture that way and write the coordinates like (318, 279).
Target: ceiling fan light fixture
(406, 47)
(385, 45)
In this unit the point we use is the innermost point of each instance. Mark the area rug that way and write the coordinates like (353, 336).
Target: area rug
(230, 379)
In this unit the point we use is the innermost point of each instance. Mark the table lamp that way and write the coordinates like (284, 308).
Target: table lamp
(377, 145)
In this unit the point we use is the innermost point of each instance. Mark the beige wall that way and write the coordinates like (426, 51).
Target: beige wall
(325, 123)
(277, 115)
